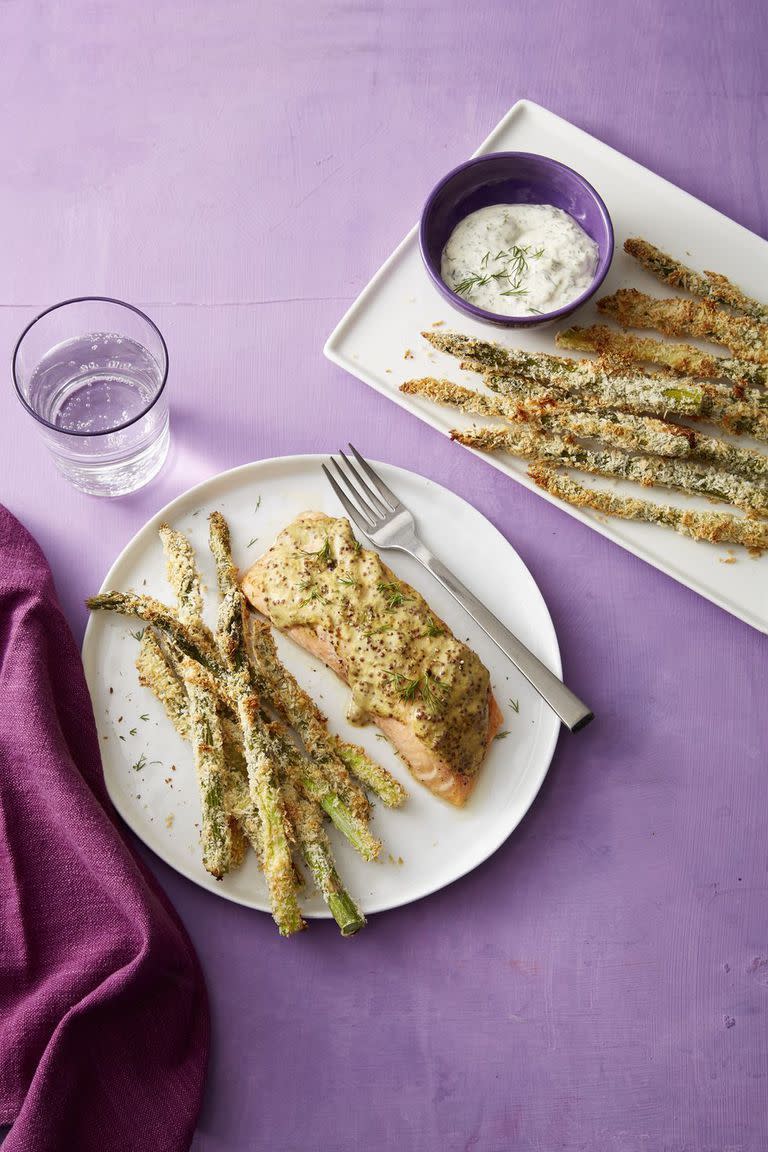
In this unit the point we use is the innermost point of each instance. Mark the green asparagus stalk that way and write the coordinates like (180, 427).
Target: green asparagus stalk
(502, 368)
(389, 790)
(715, 527)
(645, 470)
(156, 673)
(207, 744)
(215, 833)
(711, 286)
(621, 430)
(680, 359)
(276, 853)
(302, 713)
(616, 429)
(746, 338)
(160, 616)
(231, 639)
(642, 395)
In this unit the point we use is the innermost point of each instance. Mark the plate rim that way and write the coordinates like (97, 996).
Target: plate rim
(88, 655)
(331, 352)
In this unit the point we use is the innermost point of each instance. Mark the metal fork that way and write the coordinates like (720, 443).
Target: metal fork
(381, 517)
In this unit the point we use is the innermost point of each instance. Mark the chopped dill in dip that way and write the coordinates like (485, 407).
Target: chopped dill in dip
(519, 259)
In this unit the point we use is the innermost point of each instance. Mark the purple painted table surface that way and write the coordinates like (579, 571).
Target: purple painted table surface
(240, 169)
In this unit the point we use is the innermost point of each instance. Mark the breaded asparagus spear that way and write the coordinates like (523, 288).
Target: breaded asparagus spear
(389, 790)
(636, 392)
(234, 681)
(207, 744)
(232, 645)
(153, 612)
(716, 527)
(617, 429)
(157, 675)
(745, 337)
(682, 359)
(291, 702)
(710, 286)
(208, 748)
(715, 405)
(646, 470)
(596, 388)
(302, 713)
(621, 430)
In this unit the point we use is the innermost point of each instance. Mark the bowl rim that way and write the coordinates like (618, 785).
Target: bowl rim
(500, 318)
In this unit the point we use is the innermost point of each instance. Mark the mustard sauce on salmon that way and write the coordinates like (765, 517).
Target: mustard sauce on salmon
(400, 659)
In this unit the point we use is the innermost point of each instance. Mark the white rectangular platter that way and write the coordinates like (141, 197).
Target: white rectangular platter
(387, 318)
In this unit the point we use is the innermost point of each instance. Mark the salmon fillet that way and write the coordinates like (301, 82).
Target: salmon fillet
(316, 559)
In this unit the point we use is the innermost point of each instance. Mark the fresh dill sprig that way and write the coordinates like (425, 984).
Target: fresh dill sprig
(433, 693)
(132, 731)
(138, 635)
(433, 628)
(392, 593)
(140, 764)
(514, 705)
(428, 687)
(406, 688)
(501, 735)
(314, 594)
(144, 716)
(251, 542)
(350, 581)
(368, 632)
(258, 504)
(324, 555)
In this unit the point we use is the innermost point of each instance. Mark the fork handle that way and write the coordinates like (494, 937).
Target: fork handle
(573, 713)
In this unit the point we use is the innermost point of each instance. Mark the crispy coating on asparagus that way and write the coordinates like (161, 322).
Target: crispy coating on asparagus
(715, 527)
(646, 470)
(298, 708)
(617, 429)
(183, 575)
(156, 673)
(596, 388)
(313, 783)
(650, 395)
(709, 286)
(745, 337)
(502, 368)
(313, 843)
(681, 359)
(621, 430)
(207, 744)
(301, 711)
(208, 748)
(264, 784)
(389, 790)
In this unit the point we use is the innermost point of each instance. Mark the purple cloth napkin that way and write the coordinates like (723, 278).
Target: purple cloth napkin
(103, 1011)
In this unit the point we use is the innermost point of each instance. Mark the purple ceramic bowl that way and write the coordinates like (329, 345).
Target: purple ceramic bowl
(512, 178)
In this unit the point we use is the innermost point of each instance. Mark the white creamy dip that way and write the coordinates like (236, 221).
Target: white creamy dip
(519, 259)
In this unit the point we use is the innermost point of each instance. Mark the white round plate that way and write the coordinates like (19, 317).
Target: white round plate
(427, 843)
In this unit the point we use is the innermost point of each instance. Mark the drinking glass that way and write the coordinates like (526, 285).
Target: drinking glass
(92, 372)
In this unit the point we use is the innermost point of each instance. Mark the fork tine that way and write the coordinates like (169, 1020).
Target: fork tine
(378, 506)
(357, 498)
(384, 493)
(362, 524)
